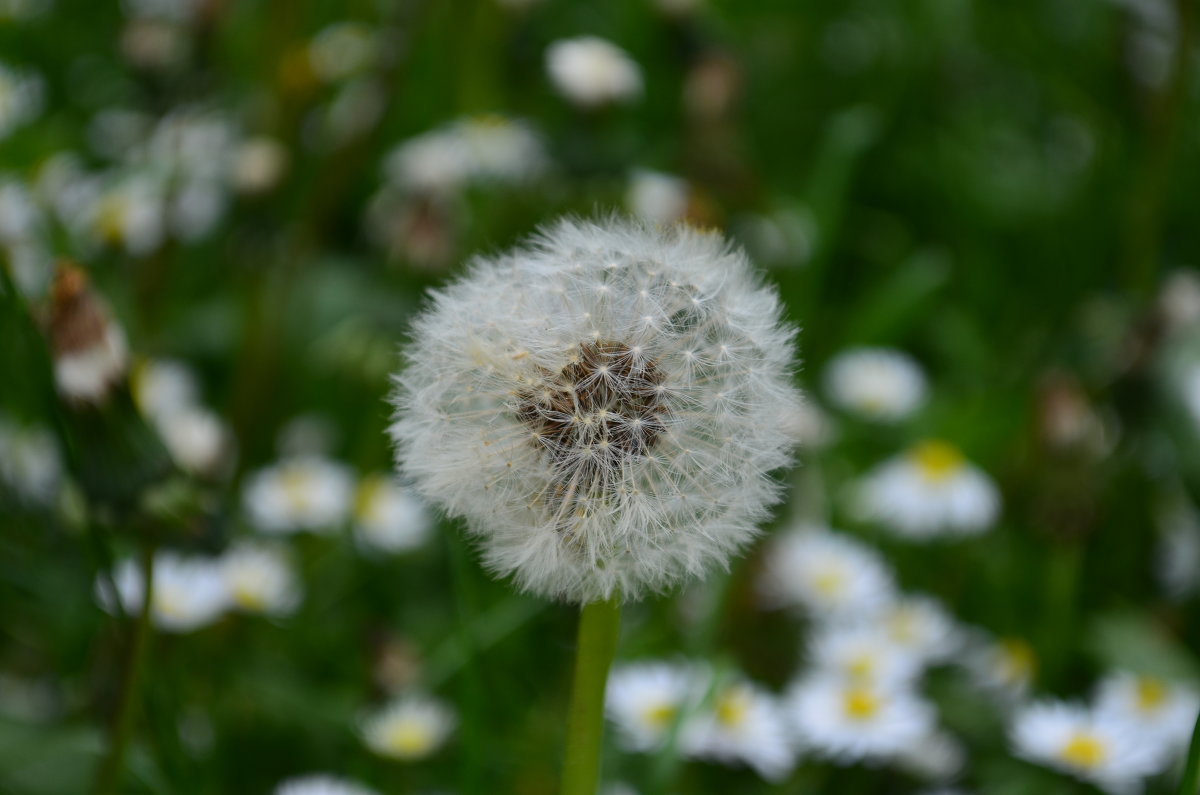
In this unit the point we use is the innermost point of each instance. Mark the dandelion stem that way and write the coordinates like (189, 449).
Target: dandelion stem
(599, 626)
(108, 775)
(1191, 774)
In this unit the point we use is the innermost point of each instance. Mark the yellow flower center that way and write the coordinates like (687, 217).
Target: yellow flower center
(829, 582)
(1151, 693)
(1083, 750)
(296, 486)
(860, 666)
(936, 460)
(659, 716)
(902, 626)
(1015, 661)
(860, 703)
(732, 708)
(366, 499)
(110, 219)
(408, 739)
(248, 596)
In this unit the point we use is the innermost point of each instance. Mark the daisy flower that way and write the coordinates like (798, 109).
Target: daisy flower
(1004, 666)
(409, 728)
(299, 493)
(930, 490)
(189, 592)
(1156, 707)
(30, 464)
(826, 573)
(656, 197)
(490, 149)
(920, 626)
(1096, 747)
(604, 406)
(745, 725)
(260, 579)
(644, 700)
(321, 784)
(876, 383)
(389, 517)
(590, 71)
(863, 653)
(849, 721)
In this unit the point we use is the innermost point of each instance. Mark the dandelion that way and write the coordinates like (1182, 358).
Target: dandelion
(876, 383)
(745, 725)
(644, 700)
(389, 517)
(188, 593)
(298, 493)
(1090, 745)
(260, 579)
(929, 491)
(826, 573)
(412, 727)
(591, 71)
(321, 784)
(604, 406)
(849, 721)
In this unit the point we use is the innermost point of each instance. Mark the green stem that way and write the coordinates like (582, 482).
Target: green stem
(108, 775)
(599, 627)
(1191, 774)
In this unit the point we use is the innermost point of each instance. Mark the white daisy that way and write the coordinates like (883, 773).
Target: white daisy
(258, 164)
(939, 756)
(862, 652)
(164, 386)
(299, 493)
(848, 720)
(260, 579)
(189, 592)
(487, 149)
(129, 213)
(342, 50)
(644, 700)
(197, 439)
(921, 626)
(389, 517)
(931, 490)
(30, 464)
(745, 725)
(876, 383)
(591, 71)
(605, 407)
(1003, 666)
(1096, 747)
(1157, 708)
(826, 573)
(321, 784)
(411, 727)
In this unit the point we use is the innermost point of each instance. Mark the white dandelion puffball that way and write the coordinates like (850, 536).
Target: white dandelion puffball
(876, 383)
(930, 490)
(412, 727)
(591, 71)
(604, 406)
(1097, 747)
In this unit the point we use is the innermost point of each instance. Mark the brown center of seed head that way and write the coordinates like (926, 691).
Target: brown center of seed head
(603, 407)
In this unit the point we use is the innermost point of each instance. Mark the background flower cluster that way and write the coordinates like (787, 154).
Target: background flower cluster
(217, 218)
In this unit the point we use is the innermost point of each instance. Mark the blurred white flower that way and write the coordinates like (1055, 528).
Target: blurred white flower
(645, 699)
(321, 784)
(260, 579)
(30, 464)
(862, 653)
(151, 43)
(167, 393)
(745, 725)
(129, 213)
(591, 71)
(920, 626)
(389, 517)
(1189, 384)
(476, 149)
(342, 50)
(930, 490)
(189, 592)
(656, 197)
(603, 406)
(1177, 555)
(826, 573)
(300, 493)
(90, 354)
(1096, 747)
(939, 756)
(814, 428)
(1165, 711)
(1003, 666)
(411, 727)
(258, 164)
(162, 387)
(849, 721)
(876, 383)
(21, 98)
(1179, 300)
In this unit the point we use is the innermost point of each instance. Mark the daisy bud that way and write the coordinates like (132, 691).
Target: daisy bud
(604, 406)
